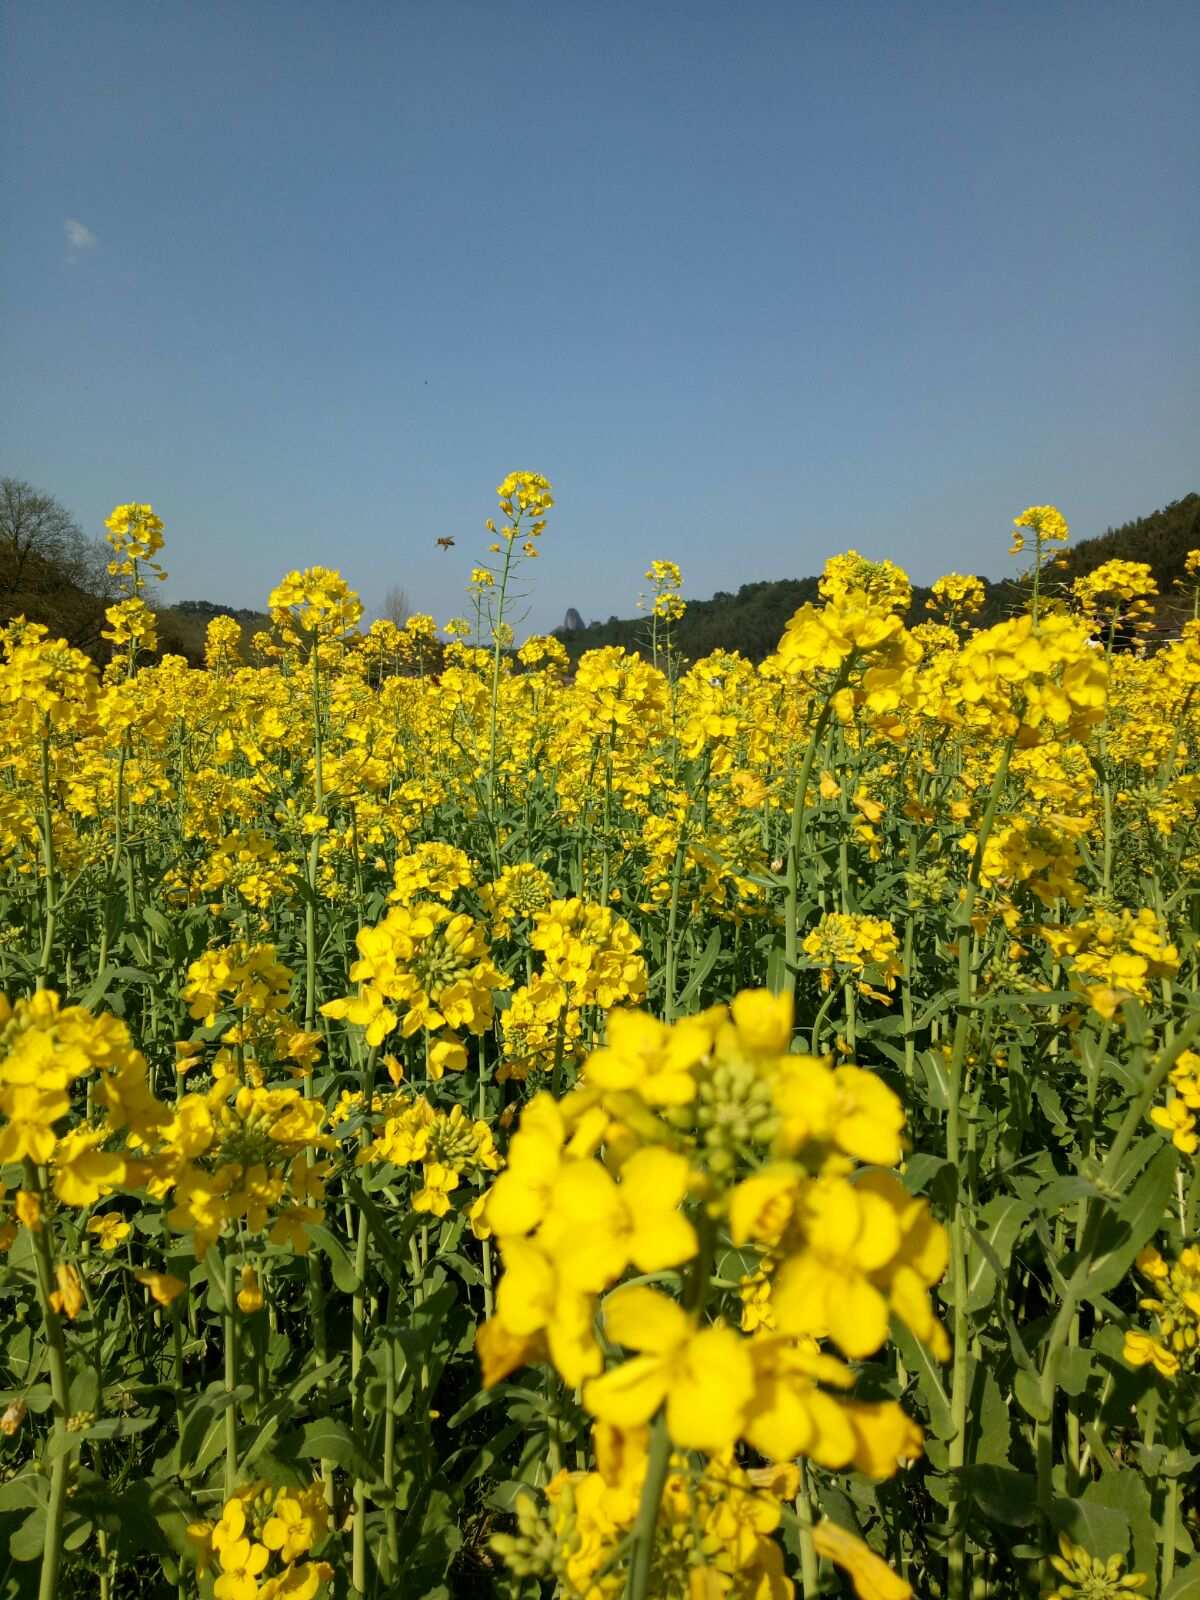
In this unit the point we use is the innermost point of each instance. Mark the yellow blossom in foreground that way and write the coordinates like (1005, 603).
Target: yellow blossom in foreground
(705, 1376)
(873, 1579)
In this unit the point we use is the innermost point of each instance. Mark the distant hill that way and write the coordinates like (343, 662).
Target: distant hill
(752, 620)
(182, 626)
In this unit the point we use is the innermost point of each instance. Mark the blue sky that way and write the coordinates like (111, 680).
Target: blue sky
(751, 283)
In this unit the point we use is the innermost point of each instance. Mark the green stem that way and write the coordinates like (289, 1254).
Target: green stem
(657, 1466)
(659, 1461)
(57, 1360)
(799, 812)
(960, 1336)
(1170, 1530)
(358, 1576)
(229, 1318)
(809, 1568)
(43, 972)
(314, 852)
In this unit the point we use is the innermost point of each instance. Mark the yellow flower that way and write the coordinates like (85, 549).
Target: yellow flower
(1088, 1577)
(705, 1377)
(163, 1286)
(641, 1052)
(68, 1298)
(439, 1183)
(827, 1289)
(250, 1295)
(110, 1229)
(873, 1579)
(1141, 1350)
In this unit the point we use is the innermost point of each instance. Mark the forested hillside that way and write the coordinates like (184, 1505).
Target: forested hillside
(752, 620)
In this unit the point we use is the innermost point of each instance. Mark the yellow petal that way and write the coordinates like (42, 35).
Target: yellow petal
(628, 1395)
(643, 1319)
(710, 1390)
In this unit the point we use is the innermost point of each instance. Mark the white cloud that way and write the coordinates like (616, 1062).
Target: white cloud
(80, 238)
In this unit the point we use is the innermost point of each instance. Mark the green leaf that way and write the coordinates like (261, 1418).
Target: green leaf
(1102, 1530)
(705, 964)
(937, 1078)
(920, 1171)
(27, 1490)
(279, 1410)
(1126, 1494)
(1184, 1585)
(119, 1427)
(925, 1369)
(1002, 1494)
(29, 1540)
(777, 979)
(1027, 1386)
(329, 1440)
(157, 923)
(1128, 1226)
(992, 1417)
(467, 1270)
(340, 1265)
(1002, 1220)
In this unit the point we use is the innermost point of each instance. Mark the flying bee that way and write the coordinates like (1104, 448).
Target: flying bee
(445, 544)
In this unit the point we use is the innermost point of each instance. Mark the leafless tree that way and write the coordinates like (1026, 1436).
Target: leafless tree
(395, 606)
(40, 538)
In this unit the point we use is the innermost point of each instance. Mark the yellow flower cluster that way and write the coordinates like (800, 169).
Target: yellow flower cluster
(591, 951)
(423, 966)
(1046, 523)
(448, 1145)
(713, 1534)
(516, 897)
(1112, 955)
(666, 579)
(45, 1049)
(1117, 594)
(317, 602)
(259, 1546)
(1087, 1577)
(1033, 680)
(238, 1157)
(250, 981)
(667, 1116)
(1175, 1302)
(844, 946)
(956, 598)
(432, 869)
(1178, 1116)
(135, 536)
(882, 582)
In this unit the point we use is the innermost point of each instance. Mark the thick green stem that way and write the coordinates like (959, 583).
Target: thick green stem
(493, 821)
(114, 862)
(960, 1371)
(644, 1529)
(231, 1365)
(358, 1341)
(1170, 1525)
(389, 1438)
(57, 1360)
(809, 1566)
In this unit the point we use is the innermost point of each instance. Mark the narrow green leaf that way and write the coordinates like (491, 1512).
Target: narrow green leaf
(1128, 1226)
